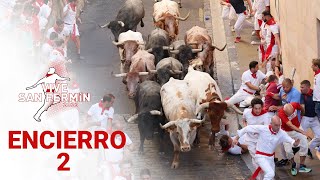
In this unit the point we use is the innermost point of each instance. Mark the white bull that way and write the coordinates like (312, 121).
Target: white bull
(179, 109)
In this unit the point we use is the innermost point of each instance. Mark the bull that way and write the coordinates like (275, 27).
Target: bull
(142, 63)
(199, 37)
(184, 53)
(129, 43)
(166, 68)
(148, 113)
(166, 16)
(130, 14)
(158, 44)
(179, 109)
(207, 95)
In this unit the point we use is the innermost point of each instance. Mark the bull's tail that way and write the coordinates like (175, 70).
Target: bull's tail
(141, 23)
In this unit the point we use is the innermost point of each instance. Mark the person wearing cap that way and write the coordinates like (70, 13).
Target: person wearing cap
(251, 80)
(101, 113)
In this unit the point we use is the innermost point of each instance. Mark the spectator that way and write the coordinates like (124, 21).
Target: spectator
(258, 7)
(291, 124)
(316, 94)
(101, 114)
(226, 145)
(62, 32)
(145, 174)
(240, 9)
(251, 79)
(125, 173)
(309, 119)
(270, 39)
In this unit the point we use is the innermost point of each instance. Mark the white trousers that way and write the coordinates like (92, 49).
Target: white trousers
(266, 163)
(303, 144)
(241, 23)
(252, 150)
(241, 97)
(314, 125)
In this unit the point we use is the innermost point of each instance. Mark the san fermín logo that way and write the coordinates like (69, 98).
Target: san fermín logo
(55, 91)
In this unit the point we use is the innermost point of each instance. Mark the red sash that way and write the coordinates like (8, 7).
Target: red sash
(266, 54)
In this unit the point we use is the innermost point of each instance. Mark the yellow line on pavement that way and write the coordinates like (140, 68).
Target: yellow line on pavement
(200, 14)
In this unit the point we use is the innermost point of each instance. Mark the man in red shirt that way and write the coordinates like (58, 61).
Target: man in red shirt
(271, 105)
(290, 123)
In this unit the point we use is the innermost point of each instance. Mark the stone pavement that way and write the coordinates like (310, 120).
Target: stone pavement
(239, 56)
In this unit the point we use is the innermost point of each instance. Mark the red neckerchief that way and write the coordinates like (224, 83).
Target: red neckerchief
(317, 72)
(272, 132)
(73, 6)
(60, 50)
(50, 42)
(261, 113)
(226, 148)
(254, 75)
(47, 75)
(103, 108)
(271, 22)
(309, 93)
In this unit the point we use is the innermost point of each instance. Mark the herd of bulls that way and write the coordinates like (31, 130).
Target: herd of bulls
(160, 75)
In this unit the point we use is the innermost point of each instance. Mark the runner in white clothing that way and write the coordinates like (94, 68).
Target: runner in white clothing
(226, 145)
(70, 21)
(62, 32)
(269, 137)
(258, 7)
(251, 80)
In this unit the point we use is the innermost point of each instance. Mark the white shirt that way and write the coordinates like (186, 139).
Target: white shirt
(267, 142)
(254, 120)
(45, 11)
(46, 49)
(116, 155)
(70, 18)
(62, 35)
(268, 30)
(247, 77)
(316, 88)
(96, 113)
(236, 150)
(260, 6)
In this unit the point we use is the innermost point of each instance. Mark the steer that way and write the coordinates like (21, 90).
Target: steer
(129, 43)
(166, 15)
(148, 105)
(179, 109)
(206, 93)
(158, 44)
(142, 63)
(199, 37)
(128, 18)
(166, 68)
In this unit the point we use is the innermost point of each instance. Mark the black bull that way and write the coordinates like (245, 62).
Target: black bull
(148, 105)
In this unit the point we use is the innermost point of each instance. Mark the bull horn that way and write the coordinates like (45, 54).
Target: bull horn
(143, 73)
(103, 26)
(117, 43)
(132, 118)
(201, 107)
(234, 108)
(175, 72)
(197, 120)
(119, 75)
(213, 46)
(149, 50)
(196, 50)
(185, 18)
(155, 112)
(174, 51)
(152, 71)
(167, 48)
(168, 124)
(121, 23)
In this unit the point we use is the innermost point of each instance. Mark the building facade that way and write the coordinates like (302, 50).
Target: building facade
(299, 22)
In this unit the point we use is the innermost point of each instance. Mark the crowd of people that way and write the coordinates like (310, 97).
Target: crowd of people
(276, 114)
